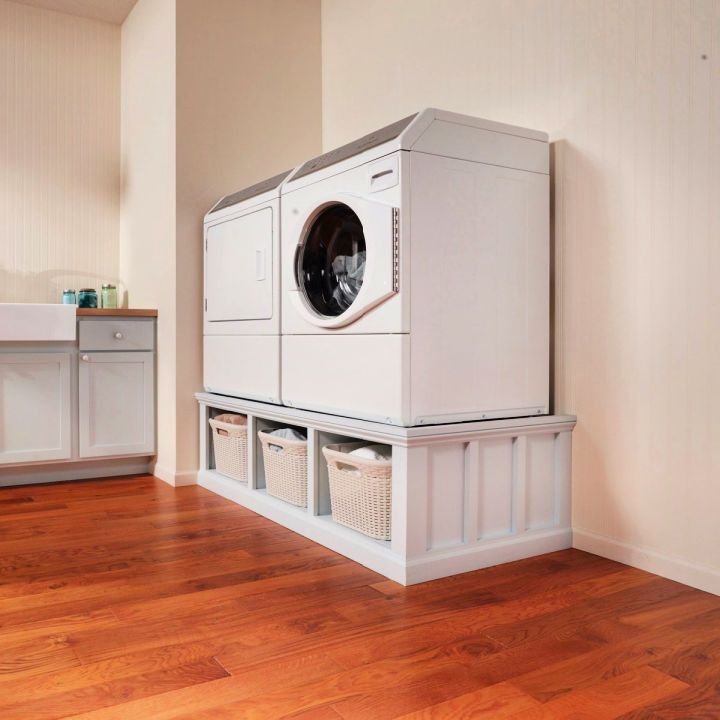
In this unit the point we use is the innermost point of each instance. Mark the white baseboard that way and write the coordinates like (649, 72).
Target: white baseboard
(173, 478)
(697, 576)
(75, 470)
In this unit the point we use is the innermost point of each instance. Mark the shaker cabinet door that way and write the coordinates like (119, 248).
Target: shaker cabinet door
(35, 407)
(116, 404)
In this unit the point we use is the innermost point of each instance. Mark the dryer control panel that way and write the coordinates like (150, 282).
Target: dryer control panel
(254, 190)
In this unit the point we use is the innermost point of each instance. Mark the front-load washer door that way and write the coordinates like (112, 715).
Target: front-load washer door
(238, 266)
(346, 262)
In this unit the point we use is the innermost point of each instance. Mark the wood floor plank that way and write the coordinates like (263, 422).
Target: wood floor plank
(95, 621)
(319, 713)
(113, 692)
(18, 688)
(127, 598)
(611, 698)
(36, 656)
(490, 703)
(698, 702)
(652, 647)
(421, 679)
(658, 593)
(695, 661)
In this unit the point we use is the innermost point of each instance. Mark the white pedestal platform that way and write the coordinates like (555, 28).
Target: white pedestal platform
(464, 495)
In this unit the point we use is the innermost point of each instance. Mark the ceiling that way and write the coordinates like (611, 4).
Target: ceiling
(112, 11)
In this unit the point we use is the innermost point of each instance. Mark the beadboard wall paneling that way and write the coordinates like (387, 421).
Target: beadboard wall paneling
(630, 94)
(59, 153)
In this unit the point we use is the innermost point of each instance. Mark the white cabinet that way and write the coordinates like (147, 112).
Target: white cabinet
(71, 410)
(35, 407)
(116, 410)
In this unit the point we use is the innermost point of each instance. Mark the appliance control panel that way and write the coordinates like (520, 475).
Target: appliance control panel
(252, 191)
(389, 132)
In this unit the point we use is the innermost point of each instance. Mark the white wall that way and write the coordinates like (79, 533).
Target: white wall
(630, 94)
(59, 153)
(147, 227)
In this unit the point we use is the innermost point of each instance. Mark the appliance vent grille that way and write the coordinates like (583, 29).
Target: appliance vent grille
(396, 249)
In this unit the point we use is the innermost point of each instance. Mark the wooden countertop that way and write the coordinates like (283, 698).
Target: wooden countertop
(116, 312)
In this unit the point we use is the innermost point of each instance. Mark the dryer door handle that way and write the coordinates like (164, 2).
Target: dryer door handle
(260, 273)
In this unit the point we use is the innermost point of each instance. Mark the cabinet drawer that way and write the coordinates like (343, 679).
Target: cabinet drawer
(111, 334)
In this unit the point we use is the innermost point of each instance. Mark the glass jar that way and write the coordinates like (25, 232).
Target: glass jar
(69, 297)
(87, 298)
(109, 296)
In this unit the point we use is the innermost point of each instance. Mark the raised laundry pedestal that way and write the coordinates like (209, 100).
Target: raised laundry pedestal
(464, 495)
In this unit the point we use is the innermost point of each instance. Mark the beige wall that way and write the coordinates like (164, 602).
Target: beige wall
(147, 227)
(215, 96)
(59, 153)
(633, 111)
(248, 107)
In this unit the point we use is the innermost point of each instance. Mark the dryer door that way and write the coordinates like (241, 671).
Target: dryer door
(238, 266)
(346, 262)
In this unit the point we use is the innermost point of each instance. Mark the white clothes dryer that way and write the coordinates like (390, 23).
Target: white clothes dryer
(415, 272)
(241, 327)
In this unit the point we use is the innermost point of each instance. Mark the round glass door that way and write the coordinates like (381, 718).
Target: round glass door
(331, 262)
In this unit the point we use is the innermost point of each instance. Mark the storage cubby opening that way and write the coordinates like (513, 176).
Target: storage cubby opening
(268, 426)
(323, 487)
(323, 479)
(211, 457)
(362, 488)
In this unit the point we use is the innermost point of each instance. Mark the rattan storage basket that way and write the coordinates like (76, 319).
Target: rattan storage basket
(230, 443)
(286, 476)
(360, 490)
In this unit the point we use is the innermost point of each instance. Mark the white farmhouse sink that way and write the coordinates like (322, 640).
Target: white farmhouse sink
(36, 322)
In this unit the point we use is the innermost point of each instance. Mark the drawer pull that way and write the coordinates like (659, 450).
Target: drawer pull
(118, 336)
(85, 358)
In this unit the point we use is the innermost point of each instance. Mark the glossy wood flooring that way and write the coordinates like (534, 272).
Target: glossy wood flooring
(128, 599)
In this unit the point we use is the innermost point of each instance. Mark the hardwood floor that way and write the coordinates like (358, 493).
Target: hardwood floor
(126, 598)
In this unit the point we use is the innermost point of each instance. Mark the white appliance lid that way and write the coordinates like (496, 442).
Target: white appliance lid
(373, 139)
(250, 192)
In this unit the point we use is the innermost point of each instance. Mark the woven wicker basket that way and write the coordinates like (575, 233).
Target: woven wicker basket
(360, 490)
(286, 475)
(230, 443)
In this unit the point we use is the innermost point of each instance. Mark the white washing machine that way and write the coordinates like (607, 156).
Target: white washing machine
(415, 272)
(241, 328)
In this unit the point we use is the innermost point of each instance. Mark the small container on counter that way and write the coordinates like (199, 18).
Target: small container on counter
(87, 298)
(109, 296)
(69, 297)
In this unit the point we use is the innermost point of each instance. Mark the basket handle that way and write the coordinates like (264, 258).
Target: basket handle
(275, 445)
(344, 464)
(221, 431)
(348, 467)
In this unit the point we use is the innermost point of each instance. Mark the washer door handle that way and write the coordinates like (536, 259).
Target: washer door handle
(296, 265)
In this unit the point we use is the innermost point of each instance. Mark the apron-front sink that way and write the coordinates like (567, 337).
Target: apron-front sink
(37, 322)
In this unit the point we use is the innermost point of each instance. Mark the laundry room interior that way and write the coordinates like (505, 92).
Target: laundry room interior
(357, 358)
